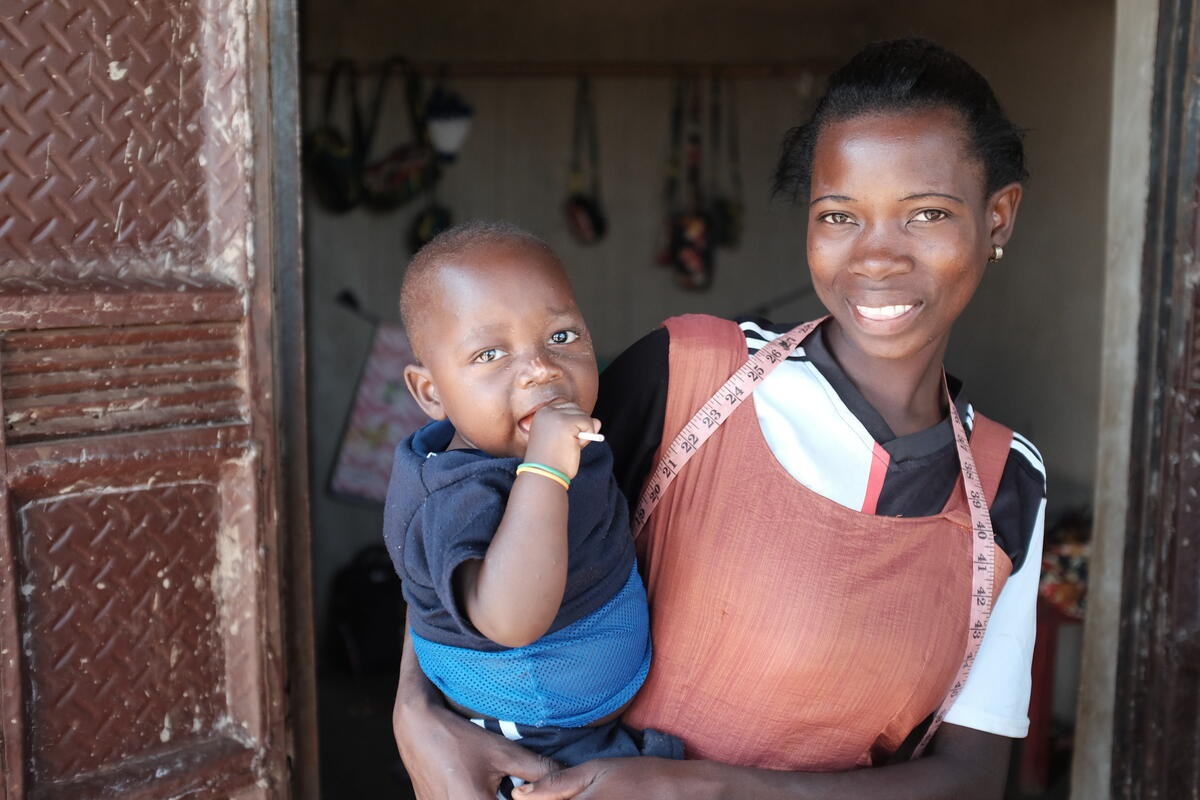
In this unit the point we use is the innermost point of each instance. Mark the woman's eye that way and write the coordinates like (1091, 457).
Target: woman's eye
(835, 218)
(563, 337)
(931, 215)
(490, 354)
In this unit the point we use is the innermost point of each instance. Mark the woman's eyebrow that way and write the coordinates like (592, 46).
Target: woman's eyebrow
(841, 198)
(924, 195)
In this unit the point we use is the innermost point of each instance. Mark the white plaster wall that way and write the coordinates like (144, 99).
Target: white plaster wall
(1129, 165)
(1029, 346)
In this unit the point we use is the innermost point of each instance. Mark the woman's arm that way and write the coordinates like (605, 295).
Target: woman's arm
(445, 755)
(962, 762)
(633, 406)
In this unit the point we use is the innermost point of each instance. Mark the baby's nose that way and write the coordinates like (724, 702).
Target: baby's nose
(540, 369)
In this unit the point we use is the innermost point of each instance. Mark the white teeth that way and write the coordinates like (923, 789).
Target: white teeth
(882, 312)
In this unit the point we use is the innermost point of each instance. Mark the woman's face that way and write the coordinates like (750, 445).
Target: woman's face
(899, 232)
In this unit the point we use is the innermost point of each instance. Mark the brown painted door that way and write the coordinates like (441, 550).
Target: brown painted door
(142, 650)
(1156, 737)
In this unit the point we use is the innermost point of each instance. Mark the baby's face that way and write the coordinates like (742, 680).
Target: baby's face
(505, 339)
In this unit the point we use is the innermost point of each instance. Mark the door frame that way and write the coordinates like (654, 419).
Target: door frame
(1144, 204)
(275, 57)
(1157, 694)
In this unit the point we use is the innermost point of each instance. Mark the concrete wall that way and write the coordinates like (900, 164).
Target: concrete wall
(1029, 347)
(1129, 165)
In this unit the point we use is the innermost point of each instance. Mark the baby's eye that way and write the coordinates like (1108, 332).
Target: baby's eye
(491, 354)
(931, 215)
(563, 337)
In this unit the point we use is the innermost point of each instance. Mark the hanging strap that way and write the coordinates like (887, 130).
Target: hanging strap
(734, 391)
(344, 69)
(693, 151)
(585, 140)
(714, 137)
(412, 99)
(734, 156)
(674, 165)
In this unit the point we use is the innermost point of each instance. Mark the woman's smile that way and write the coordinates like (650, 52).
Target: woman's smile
(884, 313)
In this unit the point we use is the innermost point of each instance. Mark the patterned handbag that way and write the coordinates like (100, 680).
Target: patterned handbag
(409, 168)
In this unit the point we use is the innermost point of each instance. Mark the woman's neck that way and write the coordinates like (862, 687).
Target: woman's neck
(907, 393)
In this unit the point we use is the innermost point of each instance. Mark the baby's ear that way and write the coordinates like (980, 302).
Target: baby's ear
(421, 386)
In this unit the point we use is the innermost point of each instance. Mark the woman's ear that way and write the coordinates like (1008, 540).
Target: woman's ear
(421, 386)
(1003, 209)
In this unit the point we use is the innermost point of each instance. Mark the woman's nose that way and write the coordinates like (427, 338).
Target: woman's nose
(880, 254)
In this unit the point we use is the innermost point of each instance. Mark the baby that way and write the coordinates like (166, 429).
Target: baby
(503, 518)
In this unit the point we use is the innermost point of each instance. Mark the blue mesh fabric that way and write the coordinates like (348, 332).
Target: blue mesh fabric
(571, 677)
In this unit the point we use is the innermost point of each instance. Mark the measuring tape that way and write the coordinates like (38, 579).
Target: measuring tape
(713, 413)
(739, 386)
(983, 572)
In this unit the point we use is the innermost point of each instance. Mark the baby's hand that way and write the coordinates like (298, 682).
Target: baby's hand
(554, 436)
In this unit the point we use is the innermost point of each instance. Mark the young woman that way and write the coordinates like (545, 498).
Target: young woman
(815, 572)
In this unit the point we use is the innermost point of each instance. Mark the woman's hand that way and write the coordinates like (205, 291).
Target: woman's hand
(448, 757)
(962, 763)
(614, 778)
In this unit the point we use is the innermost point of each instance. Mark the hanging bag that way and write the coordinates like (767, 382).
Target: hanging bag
(334, 158)
(584, 212)
(409, 168)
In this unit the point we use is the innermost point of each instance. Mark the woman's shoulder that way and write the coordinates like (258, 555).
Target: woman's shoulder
(1023, 462)
(1018, 509)
(1023, 455)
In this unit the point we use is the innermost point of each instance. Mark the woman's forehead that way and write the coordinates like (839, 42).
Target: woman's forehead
(904, 147)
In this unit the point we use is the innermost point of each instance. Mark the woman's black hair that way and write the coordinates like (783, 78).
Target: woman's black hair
(905, 75)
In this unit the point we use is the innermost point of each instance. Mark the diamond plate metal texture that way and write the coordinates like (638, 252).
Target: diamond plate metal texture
(123, 142)
(122, 642)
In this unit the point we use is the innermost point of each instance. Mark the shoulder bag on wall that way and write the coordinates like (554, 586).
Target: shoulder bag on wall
(582, 208)
(334, 158)
(409, 168)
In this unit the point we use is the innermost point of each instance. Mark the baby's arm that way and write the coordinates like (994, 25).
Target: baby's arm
(513, 593)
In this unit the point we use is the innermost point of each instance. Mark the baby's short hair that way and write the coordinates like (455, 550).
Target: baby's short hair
(455, 242)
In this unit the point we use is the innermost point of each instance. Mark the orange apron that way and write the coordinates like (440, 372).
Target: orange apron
(815, 637)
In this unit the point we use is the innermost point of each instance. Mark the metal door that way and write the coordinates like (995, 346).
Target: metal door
(142, 646)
